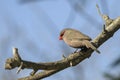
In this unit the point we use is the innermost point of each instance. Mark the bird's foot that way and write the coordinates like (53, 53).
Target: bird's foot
(84, 49)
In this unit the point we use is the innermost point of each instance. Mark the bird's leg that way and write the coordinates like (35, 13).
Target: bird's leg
(82, 49)
(76, 50)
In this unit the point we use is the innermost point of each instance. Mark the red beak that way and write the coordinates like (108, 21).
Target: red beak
(60, 38)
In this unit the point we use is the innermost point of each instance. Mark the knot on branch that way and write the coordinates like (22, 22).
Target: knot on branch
(13, 62)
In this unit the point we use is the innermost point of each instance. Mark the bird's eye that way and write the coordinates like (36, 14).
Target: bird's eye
(62, 33)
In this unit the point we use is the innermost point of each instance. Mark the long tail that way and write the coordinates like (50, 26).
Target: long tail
(90, 45)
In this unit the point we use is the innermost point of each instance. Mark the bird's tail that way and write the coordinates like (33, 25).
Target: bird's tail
(90, 45)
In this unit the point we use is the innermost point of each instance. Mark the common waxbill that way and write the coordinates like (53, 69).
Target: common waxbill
(76, 39)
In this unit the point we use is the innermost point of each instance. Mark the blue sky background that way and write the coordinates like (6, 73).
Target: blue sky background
(33, 27)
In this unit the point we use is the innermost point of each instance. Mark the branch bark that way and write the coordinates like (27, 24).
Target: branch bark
(50, 68)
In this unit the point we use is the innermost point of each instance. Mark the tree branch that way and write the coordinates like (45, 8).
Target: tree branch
(50, 68)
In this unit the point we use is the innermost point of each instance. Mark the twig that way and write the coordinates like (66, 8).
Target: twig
(20, 68)
(105, 17)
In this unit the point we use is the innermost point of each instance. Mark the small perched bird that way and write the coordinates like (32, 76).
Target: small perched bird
(76, 39)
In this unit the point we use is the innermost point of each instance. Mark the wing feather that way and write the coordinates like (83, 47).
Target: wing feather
(78, 35)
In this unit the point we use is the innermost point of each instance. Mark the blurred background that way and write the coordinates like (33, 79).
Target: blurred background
(33, 27)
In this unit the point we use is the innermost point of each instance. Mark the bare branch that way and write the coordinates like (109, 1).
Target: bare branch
(50, 68)
(44, 66)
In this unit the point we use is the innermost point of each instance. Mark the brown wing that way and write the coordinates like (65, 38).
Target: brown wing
(75, 34)
(78, 44)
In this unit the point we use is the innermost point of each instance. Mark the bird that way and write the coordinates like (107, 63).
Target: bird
(77, 39)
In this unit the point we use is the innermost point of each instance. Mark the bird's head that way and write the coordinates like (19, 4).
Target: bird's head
(63, 32)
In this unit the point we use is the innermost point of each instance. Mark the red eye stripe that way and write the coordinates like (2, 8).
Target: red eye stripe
(60, 38)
